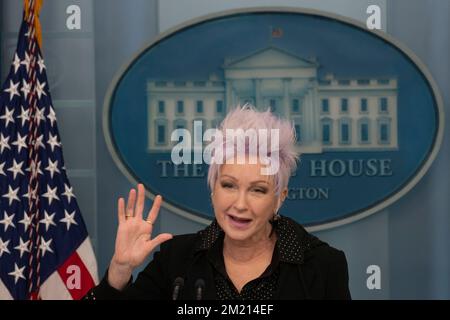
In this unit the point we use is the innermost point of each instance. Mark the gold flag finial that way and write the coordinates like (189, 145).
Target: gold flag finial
(33, 7)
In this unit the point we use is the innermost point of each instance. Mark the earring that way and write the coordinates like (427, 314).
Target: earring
(276, 216)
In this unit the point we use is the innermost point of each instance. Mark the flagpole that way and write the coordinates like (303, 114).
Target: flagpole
(32, 8)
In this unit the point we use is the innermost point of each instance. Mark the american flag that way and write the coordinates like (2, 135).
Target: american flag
(45, 250)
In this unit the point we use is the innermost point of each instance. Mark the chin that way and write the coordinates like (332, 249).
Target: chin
(237, 235)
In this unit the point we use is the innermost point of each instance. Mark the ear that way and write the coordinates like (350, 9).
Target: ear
(281, 198)
(283, 194)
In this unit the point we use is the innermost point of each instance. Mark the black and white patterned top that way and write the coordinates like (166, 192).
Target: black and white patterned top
(287, 250)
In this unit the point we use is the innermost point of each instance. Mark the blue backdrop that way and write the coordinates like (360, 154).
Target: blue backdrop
(409, 240)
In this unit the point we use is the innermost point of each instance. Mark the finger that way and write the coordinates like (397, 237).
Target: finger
(130, 203)
(121, 210)
(140, 201)
(163, 237)
(154, 211)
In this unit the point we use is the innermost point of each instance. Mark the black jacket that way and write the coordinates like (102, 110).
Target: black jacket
(318, 272)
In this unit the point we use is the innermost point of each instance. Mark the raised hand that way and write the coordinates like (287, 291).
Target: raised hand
(134, 241)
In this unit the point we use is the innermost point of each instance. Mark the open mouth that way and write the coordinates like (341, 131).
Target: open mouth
(238, 222)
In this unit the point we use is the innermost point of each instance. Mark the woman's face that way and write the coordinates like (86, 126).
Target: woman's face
(244, 201)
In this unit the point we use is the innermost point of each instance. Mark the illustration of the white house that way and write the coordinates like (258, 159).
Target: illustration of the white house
(329, 114)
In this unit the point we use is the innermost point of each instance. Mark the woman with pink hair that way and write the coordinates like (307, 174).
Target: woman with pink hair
(249, 251)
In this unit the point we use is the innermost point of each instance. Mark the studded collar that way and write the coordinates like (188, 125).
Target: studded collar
(293, 241)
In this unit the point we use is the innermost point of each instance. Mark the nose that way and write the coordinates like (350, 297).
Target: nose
(240, 204)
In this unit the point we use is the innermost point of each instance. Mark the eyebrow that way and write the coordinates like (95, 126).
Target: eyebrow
(253, 182)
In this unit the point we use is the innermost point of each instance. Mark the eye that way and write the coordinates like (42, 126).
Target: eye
(260, 190)
(227, 185)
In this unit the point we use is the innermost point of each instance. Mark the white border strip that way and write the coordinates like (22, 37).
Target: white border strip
(54, 288)
(4, 292)
(87, 256)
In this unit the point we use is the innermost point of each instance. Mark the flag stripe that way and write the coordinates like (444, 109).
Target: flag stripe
(4, 293)
(54, 288)
(87, 255)
(76, 276)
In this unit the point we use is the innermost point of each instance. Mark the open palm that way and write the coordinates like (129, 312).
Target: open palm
(134, 241)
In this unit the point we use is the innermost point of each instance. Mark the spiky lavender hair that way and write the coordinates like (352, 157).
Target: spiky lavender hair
(246, 117)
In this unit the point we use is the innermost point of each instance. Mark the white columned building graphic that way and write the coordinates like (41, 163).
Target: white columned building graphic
(329, 114)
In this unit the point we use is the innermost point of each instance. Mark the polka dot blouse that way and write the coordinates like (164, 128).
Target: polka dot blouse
(287, 250)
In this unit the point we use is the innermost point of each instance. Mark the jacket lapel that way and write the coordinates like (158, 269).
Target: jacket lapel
(290, 286)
